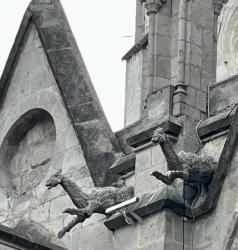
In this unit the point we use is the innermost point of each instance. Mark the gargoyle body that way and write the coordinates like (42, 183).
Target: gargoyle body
(97, 201)
(190, 167)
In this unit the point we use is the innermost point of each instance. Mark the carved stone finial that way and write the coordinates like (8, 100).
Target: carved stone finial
(218, 5)
(153, 6)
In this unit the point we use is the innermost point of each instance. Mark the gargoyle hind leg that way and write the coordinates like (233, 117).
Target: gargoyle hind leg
(87, 211)
(71, 224)
(170, 176)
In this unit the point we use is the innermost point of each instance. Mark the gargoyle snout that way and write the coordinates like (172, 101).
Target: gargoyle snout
(48, 185)
(53, 182)
(158, 136)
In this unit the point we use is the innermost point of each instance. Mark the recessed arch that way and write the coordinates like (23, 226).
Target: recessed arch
(26, 153)
(227, 46)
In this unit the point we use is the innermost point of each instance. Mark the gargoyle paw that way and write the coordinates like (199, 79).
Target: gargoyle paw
(68, 211)
(61, 234)
(156, 174)
(73, 211)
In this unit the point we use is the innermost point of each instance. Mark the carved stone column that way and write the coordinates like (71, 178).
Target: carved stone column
(152, 7)
(180, 86)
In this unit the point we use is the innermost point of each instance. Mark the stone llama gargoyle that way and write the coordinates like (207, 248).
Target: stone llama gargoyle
(97, 201)
(190, 167)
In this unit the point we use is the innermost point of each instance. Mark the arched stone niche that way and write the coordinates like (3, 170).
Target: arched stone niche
(227, 47)
(26, 153)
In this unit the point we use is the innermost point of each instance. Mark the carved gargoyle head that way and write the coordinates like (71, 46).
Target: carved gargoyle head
(54, 180)
(159, 136)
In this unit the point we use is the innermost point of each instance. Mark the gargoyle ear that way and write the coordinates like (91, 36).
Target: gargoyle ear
(59, 171)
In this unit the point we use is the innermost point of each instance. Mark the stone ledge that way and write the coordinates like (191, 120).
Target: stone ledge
(138, 135)
(167, 198)
(124, 165)
(9, 236)
(136, 48)
(215, 125)
(222, 96)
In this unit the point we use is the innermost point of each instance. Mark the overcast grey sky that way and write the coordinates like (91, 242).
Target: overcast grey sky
(99, 28)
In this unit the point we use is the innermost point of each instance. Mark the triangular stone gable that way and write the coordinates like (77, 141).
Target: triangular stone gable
(37, 138)
(100, 146)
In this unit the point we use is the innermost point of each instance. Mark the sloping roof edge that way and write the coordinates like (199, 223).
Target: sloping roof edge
(14, 50)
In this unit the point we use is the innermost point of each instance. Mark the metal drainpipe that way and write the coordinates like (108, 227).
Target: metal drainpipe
(180, 86)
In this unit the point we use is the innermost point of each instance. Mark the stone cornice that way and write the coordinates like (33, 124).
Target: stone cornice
(218, 5)
(136, 48)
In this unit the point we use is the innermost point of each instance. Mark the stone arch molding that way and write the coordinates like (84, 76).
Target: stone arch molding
(26, 153)
(227, 49)
(50, 102)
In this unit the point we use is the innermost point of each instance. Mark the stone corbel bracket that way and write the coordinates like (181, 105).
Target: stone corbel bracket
(161, 2)
(153, 6)
(172, 199)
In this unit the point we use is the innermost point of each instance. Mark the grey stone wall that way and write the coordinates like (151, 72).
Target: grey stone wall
(5, 247)
(133, 91)
(213, 231)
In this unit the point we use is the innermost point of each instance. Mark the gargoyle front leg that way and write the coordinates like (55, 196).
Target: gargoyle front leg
(73, 223)
(170, 176)
(76, 211)
(87, 211)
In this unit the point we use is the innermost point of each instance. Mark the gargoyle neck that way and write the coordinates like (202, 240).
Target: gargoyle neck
(78, 197)
(173, 161)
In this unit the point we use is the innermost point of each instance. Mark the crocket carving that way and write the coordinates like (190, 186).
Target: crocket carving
(97, 201)
(190, 167)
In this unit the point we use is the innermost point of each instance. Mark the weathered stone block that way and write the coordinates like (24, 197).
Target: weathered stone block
(95, 236)
(163, 25)
(201, 101)
(163, 66)
(152, 230)
(58, 205)
(143, 160)
(190, 99)
(206, 80)
(41, 213)
(73, 161)
(153, 246)
(163, 45)
(214, 148)
(71, 139)
(196, 56)
(126, 238)
(195, 76)
(208, 63)
(158, 158)
(144, 182)
(195, 34)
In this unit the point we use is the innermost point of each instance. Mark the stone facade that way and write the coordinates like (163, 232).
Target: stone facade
(51, 119)
(35, 124)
